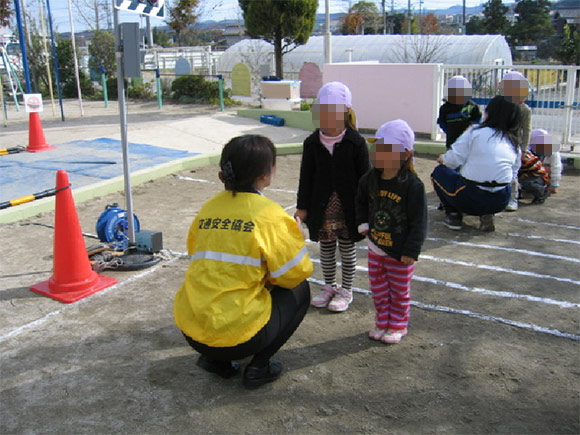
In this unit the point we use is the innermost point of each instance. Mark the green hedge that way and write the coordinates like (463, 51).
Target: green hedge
(195, 89)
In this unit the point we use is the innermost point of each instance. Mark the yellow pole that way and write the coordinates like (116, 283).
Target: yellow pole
(46, 56)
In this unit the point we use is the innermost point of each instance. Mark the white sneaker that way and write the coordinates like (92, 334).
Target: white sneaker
(512, 205)
(341, 300)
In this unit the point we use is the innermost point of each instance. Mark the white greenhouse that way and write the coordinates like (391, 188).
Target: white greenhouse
(250, 59)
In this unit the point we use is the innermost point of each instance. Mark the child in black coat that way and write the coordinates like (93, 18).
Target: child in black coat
(334, 158)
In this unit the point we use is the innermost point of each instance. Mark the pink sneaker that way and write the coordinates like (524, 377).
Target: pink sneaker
(394, 336)
(341, 300)
(377, 333)
(321, 300)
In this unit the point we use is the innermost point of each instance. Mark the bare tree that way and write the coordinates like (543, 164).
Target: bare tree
(420, 49)
(255, 56)
(96, 14)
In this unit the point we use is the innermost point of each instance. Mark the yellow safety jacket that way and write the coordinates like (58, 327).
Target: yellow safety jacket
(239, 244)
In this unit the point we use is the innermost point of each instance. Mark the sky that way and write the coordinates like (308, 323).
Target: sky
(224, 9)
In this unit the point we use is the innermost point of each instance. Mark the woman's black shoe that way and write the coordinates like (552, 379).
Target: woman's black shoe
(257, 376)
(225, 369)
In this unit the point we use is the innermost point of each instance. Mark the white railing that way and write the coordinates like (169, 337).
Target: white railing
(553, 94)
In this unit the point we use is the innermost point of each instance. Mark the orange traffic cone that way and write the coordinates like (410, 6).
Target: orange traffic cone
(72, 278)
(36, 140)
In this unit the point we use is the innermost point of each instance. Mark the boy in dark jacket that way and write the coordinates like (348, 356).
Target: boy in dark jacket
(458, 112)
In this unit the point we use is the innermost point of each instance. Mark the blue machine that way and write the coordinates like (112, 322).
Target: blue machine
(112, 226)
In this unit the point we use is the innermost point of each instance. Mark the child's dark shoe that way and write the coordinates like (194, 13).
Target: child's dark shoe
(225, 369)
(255, 377)
(453, 221)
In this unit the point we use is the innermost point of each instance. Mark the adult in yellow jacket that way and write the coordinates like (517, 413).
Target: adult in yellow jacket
(245, 291)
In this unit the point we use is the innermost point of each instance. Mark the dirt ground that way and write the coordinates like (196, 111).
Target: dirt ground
(116, 363)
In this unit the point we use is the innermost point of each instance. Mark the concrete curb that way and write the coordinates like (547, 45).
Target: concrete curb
(85, 193)
(116, 184)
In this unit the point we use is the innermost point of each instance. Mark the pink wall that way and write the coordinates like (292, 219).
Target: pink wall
(383, 92)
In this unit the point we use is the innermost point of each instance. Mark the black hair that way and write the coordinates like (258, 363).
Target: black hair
(504, 117)
(244, 159)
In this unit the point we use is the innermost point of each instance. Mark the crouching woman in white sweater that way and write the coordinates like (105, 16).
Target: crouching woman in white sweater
(474, 176)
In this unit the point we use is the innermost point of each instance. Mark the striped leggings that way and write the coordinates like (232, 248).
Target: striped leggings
(328, 261)
(390, 286)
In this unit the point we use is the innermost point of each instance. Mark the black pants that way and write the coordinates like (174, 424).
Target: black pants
(289, 306)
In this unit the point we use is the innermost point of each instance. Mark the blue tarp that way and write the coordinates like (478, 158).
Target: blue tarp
(86, 161)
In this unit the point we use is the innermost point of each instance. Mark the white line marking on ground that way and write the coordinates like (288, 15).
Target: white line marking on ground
(496, 268)
(200, 180)
(43, 319)
(501, 248)
(280, 190)
(455, 285)
(290, 207)
(527, 236)
(529, 221)
(429, 307)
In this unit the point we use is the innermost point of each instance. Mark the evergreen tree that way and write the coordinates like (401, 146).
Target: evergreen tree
(494, 20)
(533, 24)
(67, 71)
(569, 51)
(102, 52)
(284, 23)
(475, 26)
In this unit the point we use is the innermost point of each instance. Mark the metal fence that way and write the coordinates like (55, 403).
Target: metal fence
(553, 96)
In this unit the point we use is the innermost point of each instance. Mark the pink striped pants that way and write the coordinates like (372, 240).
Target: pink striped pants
(390, 286)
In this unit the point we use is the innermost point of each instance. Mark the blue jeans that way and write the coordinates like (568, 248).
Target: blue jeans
(460, 196)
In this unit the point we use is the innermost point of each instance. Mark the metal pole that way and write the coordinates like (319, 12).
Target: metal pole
(55, 60)
(3, 103)
(384, 18)
(409, 17)
(22, 45)
(569, 101)
(74, 49)
(123, 119)
(159, 90)
(149, 32)
(463, 26)
(327, 42)
(221, 89)
(104, 82)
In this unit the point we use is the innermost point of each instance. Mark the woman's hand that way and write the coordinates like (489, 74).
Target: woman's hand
(300, 215)
(407, 260)
(440, 159)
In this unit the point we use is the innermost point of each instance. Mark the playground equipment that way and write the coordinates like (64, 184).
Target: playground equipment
(9, 69)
